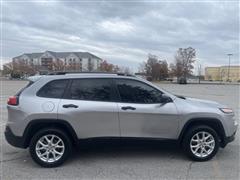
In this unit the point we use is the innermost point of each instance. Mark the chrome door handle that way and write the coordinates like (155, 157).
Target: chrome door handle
(128, 107)
(70, 106)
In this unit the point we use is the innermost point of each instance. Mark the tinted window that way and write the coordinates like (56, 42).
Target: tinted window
(53, 89)
(137, 92)
(91, 89)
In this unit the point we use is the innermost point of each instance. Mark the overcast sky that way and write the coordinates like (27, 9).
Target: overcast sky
(123, 32)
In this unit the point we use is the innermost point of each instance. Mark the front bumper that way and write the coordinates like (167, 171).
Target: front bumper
(13, 140)
(227, 140)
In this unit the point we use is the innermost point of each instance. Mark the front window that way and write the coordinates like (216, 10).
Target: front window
(132, 91)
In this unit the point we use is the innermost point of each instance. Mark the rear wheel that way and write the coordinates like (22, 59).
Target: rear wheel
(50, 147)
(201, 143)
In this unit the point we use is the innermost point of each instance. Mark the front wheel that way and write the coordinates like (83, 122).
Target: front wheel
(50, 147)
(201, 143)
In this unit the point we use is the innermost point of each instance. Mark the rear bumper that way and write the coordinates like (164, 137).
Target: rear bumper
(13, 140)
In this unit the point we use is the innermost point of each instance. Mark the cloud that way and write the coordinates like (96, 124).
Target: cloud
(74, 38)
(116, 26)
(123, 32)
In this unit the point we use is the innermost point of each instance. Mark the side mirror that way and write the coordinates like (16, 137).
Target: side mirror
(165, 99)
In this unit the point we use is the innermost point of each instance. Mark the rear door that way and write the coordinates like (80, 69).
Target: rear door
(90, 108)
(141, 112)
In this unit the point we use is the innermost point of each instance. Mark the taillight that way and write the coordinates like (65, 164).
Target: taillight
(13, 100)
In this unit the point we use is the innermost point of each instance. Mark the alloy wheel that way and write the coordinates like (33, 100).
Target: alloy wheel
(202, 144)
(50, 148)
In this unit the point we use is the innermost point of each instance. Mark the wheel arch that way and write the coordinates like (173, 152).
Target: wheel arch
(37, 124)
(211, 122)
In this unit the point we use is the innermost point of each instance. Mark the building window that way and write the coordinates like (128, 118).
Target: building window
(80, 66)
(90, 65)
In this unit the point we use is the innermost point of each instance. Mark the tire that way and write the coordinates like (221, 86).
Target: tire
(197, 148)
(53, 144)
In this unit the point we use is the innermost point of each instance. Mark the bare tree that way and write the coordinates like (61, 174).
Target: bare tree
(22, 68)
(125, 70)
(150, 66)
(116, 68)
(163, 69)
(7, 68)
(106, 67)
(184, 60)
(155, 68)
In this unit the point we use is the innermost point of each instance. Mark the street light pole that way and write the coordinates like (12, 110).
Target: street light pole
(229, 55)
(199, 73)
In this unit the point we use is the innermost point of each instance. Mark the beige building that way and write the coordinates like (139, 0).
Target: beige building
(221, 73)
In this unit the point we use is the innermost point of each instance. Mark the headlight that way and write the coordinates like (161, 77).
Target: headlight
(226, 110)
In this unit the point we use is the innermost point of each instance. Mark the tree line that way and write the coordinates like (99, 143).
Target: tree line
(157, 69)
(21, 68)
(154, 67)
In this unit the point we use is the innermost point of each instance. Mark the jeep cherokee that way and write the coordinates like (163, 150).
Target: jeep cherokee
(54, 112)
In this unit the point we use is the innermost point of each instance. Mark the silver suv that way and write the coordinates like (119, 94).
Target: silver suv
(54, 112)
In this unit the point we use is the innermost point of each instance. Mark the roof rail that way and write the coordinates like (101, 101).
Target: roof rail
(75, 72)
(125, 74)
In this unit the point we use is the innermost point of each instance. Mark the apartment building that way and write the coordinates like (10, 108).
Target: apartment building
(53, 61)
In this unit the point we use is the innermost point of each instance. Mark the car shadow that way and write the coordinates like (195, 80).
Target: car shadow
(100, 149)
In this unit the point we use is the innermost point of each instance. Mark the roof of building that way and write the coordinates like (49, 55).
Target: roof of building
(233, 66)
(33, 55)
(60, 54)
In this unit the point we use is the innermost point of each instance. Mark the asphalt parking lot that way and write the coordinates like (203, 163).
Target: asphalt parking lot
(129, 161)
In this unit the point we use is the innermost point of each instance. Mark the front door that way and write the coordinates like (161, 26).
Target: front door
(141, 114)
(89, 107)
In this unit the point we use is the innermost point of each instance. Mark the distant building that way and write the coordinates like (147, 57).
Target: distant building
(221, 73)
(59, 61)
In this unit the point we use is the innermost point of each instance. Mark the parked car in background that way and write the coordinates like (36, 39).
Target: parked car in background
(182, 80)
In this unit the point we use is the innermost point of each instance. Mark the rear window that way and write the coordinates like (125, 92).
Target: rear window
(53, 89)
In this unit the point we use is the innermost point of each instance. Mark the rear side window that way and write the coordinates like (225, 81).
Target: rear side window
(132, 91)
(91, 89)
(28, 85)
(53, 89)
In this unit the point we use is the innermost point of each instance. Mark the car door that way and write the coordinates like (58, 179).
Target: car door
(89, 106)
(141, 112)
